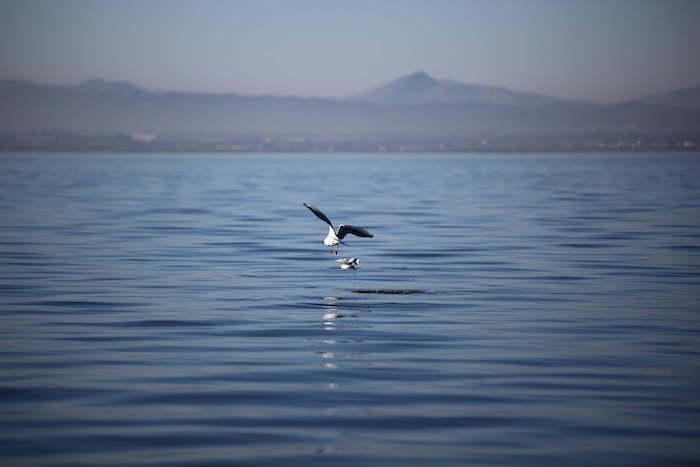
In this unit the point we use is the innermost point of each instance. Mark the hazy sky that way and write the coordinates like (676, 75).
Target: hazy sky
(602, 50)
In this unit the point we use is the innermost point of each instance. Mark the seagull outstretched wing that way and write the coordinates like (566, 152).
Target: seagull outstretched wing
(343, 230)
(319, 214)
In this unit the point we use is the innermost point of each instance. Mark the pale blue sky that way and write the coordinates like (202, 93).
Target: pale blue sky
(601, 50)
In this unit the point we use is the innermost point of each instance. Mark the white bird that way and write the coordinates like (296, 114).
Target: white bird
(348, 263)
(334, 239)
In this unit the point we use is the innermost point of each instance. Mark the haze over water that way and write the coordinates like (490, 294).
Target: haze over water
(510, 309)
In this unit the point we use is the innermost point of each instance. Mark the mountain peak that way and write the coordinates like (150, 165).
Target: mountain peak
(406, 89)
(421, 88)
(420, 77)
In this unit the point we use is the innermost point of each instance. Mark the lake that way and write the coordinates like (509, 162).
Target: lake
(511, 309)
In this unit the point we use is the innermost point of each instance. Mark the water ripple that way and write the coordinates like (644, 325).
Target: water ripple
(510, 310)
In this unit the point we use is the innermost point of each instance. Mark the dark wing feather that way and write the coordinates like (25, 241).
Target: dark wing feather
(343, 230)
(319, 214)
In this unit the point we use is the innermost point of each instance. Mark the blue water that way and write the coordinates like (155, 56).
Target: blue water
(510, 310)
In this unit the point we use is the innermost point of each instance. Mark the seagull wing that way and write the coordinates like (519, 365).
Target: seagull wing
(319, 214)
(343, 230)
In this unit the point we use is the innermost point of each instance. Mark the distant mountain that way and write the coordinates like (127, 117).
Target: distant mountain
(100, 86)
(412, 109)
(686, 98)
(93, 86)
(421, 88)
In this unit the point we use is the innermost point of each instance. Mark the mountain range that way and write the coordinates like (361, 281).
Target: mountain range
(413, 109)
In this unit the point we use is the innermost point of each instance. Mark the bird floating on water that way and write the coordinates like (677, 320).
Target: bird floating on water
(348, 263)
(334, 239)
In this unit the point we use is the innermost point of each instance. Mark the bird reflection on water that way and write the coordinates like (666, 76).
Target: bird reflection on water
(331, 309)
(348, 263)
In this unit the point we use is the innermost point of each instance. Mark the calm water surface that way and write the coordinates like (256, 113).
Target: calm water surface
(181, 310)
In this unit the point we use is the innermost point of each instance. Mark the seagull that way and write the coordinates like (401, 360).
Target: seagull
(348, 263)
(334, 239)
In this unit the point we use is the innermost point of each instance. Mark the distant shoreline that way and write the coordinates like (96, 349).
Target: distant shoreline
(117, 151)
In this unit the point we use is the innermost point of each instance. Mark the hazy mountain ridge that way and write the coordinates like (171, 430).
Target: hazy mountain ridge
(414, 108)
(421, 88)
(686, 98)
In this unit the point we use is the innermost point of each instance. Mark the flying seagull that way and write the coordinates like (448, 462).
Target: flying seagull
(334, 239)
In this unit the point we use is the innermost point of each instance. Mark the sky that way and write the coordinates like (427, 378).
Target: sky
(593, 49)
